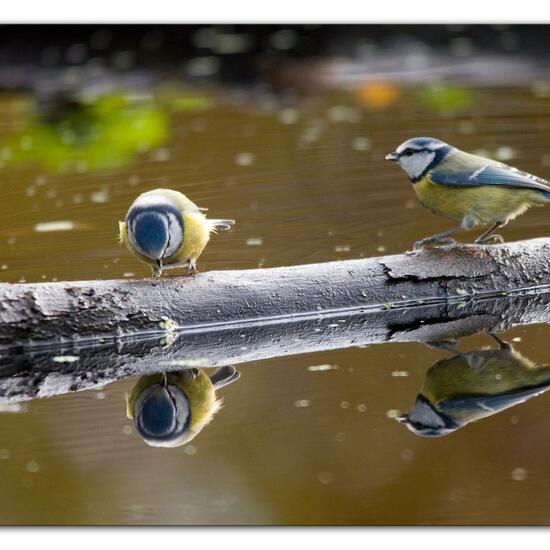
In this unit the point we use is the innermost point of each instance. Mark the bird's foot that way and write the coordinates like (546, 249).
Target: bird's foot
(191, 267)
(434, 242)
(491, 239)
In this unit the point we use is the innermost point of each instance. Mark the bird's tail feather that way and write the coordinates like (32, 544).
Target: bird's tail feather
(221, 225)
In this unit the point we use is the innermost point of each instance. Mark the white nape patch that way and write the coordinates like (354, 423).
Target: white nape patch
(152, 199)
(416, 164)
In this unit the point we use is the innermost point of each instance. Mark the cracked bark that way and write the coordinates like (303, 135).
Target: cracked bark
(116, 329)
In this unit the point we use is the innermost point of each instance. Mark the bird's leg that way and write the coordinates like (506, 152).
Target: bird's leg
(501, 343)
(191, 267)
(439, 238)
(157, 269)
(487, 236)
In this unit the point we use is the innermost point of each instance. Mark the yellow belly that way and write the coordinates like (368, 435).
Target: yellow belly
(484, 205)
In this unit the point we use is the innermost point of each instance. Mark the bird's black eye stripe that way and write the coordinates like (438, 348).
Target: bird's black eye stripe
(408, 152)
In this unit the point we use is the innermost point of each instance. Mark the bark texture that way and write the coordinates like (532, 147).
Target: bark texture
(67, 336)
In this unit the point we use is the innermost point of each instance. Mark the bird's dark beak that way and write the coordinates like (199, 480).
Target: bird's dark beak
(392, 156)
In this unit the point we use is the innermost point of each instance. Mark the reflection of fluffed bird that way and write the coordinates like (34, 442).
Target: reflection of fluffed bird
(165, 229)
(475, 190)
(170, 409)
(471, 386)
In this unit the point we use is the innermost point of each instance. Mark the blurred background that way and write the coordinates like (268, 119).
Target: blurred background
(283, 128)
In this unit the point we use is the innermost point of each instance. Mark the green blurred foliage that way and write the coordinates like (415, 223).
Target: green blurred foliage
(103, 133)
(444, 98)
(100, 134)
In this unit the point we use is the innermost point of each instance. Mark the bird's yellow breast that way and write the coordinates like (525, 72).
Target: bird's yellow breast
(485, 204)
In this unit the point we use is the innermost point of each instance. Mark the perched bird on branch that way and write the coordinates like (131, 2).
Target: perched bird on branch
(164, 229)
(471, 386)
(465, 187)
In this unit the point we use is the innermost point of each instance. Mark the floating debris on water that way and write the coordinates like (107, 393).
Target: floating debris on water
(361, 144)
(316, 368)
(99, 196)
(32, 466)
(340, 437)
(190, 450)
(301, 403)
(46, 227)
(393, 413)
(127, 429)
(407, 454)
(342, 248)
(400, 373)
(505, 153)
(244, 159)
(324, 477)
(289, 116)
(361, 407)
(254, 241)
(519, 474)
(344, 404)
(13, 408)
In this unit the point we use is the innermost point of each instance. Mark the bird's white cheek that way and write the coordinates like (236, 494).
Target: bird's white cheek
(415, 165)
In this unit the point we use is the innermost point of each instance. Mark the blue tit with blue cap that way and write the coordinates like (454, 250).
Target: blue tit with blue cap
(474, 190)
(471, 386)
(164, 229)
(170, 409)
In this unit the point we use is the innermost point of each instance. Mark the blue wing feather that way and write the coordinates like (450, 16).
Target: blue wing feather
(488, 174)
(494, 403)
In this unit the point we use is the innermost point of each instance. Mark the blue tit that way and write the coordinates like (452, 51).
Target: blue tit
(164, 229)
(471, 386)
(464, 187)
(170, 409)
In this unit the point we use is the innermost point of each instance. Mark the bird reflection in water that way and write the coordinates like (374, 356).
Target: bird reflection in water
(471, 386)
(170, 409)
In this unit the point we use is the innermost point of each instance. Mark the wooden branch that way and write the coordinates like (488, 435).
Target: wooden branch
(67, 336)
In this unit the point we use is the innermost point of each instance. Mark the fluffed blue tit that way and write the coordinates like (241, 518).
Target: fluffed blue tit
(170, 409)
(471, 189)
(164, 229)
(471, 386)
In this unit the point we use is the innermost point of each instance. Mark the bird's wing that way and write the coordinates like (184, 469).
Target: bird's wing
(493, 403)
(465, 170)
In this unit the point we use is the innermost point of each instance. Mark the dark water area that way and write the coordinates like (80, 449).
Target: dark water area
(302, 439)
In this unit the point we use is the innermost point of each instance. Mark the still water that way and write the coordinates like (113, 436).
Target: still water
(303, 439)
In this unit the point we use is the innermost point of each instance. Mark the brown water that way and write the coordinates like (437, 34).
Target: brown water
(306, 181)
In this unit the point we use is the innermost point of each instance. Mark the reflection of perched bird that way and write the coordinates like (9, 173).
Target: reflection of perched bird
(465, 187)
(170, 409)
(471, 386)
(165, 229)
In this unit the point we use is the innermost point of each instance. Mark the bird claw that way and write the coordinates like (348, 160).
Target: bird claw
(491, 239)
(191, 267)
(432, 242)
